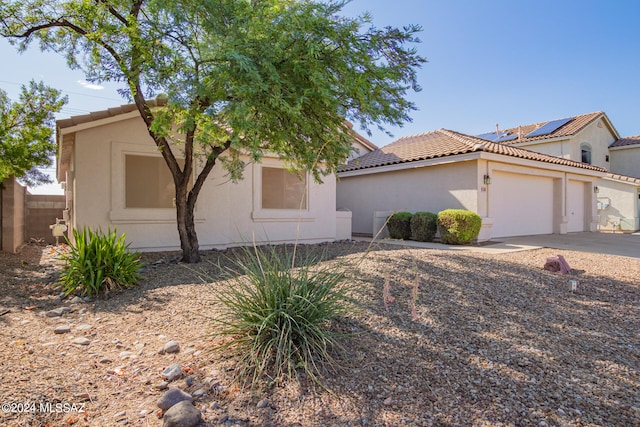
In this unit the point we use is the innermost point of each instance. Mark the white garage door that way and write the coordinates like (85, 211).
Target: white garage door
(520, 205)
(576, 218)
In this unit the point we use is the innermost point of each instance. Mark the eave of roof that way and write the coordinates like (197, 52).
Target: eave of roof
(444, 143)
(624, 178)
(626, 141)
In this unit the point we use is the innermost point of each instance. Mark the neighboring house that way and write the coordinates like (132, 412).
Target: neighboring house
(625, 156)
(115, 177)
(516, 191)
(589, 138)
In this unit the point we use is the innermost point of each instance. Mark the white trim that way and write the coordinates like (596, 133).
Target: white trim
(625, 147)
(97, 123)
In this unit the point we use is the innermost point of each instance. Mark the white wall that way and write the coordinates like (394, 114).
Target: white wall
(227, 213)
(626, 160)
(431, 189)
(621, 214)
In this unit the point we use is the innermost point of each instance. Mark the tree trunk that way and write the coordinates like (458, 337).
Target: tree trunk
(186, 226)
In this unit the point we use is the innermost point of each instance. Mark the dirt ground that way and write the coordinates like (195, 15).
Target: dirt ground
(483, 340)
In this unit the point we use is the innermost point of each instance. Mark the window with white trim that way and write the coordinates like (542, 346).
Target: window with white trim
(148, 182)
(282, 189)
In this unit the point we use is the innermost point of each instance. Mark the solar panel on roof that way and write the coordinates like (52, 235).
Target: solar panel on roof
(487, 136)
(549, 127)
(506, 138)
(492, 136)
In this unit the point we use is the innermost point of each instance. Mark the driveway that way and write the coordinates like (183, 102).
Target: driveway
(606, 243)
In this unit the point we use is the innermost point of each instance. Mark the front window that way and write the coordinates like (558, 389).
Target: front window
(585, 152)
(282, 189)
(148, 182)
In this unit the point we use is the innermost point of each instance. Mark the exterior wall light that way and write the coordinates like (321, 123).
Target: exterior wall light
(487, 179)
(596, 189)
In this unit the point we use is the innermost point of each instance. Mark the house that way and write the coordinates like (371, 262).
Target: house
(115, 177)
(565, 175)
(589, 138)
(516, 191)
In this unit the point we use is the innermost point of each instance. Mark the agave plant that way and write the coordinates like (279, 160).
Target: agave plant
(99, 262)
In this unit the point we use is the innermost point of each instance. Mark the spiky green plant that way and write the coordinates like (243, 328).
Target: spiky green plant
(278, 318)
(98, 262)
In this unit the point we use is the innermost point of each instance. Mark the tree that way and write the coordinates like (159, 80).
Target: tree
(240, 77)
(26, 129)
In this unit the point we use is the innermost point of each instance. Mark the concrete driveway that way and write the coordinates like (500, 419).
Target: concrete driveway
(606, 243)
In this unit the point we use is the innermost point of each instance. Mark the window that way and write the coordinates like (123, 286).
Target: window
(148, 182)
(585, 153)
(282, 189)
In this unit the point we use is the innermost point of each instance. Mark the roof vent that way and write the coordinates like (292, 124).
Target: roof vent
(479, 147)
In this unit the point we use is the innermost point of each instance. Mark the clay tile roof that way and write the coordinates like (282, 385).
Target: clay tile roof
(102, 114)
(574, 126)
(443, 143)
(624, 178)
(629, 140)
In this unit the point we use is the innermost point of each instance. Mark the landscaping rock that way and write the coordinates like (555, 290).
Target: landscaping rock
(182, 414)
(62, 329)
(171, 347)
(263, 403)
(56, 312)
(172, 397)
(81, 341)
(76, 300)
(172, 372)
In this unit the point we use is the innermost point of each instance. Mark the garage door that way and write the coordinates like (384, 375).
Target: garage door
(576, 218)
(520, 204)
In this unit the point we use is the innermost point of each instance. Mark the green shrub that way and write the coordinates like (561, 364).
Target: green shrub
(399, 225)
(424, 226)
(98, 263)
(458, 226)
(277, 318)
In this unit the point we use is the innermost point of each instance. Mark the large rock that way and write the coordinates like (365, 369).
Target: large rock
(182, 414)
(171, 347)
(172, 397)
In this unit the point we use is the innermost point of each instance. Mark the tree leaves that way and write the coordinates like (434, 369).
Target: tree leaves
(26, 129)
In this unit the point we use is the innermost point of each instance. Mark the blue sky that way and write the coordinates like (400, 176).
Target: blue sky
(508, 62)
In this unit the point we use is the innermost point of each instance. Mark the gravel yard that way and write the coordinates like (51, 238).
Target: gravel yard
(491, 340)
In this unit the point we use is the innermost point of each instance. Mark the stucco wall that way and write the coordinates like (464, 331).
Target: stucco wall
(431, 189)
(42, 211)
(12, 208)
(621, 205)
(227, 213)
(626, 161)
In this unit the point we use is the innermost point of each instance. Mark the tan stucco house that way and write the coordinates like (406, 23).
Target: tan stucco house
(114, 177)
(566, 175)
(515, 191)
(592, 139)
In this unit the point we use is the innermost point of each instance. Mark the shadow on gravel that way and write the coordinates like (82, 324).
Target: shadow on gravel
(495, 341)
